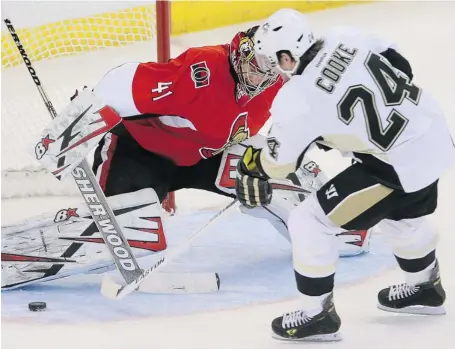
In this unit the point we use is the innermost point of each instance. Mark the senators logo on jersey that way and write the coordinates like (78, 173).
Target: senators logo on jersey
(239, 133)
(200, 74)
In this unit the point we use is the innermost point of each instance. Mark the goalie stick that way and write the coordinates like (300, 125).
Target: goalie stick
(106, 223)
(104, 218)
(110, 289)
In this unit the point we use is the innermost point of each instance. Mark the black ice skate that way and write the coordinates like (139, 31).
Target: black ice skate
(426, 298)
(297, 326)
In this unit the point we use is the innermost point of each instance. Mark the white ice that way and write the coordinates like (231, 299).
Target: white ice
(254, 260)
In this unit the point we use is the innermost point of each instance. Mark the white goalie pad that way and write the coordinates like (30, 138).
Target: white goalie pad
(67, 242)
(309, 176)
(67, 140)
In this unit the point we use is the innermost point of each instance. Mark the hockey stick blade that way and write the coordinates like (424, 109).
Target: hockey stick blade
(178, 283)
(110, 289)
(167, 283)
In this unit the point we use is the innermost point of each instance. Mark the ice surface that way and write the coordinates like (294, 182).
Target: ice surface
(253, 261)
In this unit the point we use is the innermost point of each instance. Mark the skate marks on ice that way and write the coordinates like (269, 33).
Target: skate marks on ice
(254, 263)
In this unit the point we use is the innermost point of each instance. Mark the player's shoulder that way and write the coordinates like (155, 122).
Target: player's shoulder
(291, 99)
(343, 30)
(205, 66)
(346, 34)
(212, 55)
(360, 38)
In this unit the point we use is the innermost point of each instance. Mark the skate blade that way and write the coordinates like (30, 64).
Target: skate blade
(331, 337)
(416, 310)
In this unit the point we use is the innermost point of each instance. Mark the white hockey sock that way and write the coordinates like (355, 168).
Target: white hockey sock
(312, 305)
(421, 276)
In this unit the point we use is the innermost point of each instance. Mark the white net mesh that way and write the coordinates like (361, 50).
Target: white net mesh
(67, 54)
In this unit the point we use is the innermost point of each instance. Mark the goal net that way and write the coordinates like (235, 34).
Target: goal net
(71, 45)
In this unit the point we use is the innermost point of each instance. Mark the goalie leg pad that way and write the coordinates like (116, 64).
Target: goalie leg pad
(67, 242)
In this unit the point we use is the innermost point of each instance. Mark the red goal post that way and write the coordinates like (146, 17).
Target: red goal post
(163, 29)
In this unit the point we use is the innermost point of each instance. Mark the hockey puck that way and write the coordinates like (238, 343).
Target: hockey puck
(218, 280)
(37, 306)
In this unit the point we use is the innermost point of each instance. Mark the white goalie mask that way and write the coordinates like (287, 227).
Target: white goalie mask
(285, 30)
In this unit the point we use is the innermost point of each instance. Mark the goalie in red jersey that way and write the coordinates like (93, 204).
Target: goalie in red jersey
(179, 117)
(185, 124)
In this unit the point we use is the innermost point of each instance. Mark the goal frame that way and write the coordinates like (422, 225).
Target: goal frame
(163, 33)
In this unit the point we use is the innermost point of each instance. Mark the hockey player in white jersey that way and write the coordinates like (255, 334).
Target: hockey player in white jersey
(353, 93)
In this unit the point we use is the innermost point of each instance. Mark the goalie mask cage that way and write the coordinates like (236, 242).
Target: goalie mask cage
(71, 44)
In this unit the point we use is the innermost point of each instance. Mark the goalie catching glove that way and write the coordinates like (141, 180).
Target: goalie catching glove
(252, 186)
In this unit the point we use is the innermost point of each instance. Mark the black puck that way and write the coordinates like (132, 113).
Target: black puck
(37, 306)
(218, 281)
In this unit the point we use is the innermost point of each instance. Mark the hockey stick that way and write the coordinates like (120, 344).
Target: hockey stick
(112, 290)
(284, 185)
(106, 223)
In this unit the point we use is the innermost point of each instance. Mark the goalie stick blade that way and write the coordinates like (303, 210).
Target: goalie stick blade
(109, 288)
(166, 283)
(112, 290)
(181, 283)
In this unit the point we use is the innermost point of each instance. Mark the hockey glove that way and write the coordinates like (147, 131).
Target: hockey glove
(252, 186)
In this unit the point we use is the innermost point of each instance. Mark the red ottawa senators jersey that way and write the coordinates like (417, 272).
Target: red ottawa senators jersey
(188, 106)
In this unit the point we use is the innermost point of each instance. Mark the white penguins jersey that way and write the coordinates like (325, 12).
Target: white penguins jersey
(351, 99)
